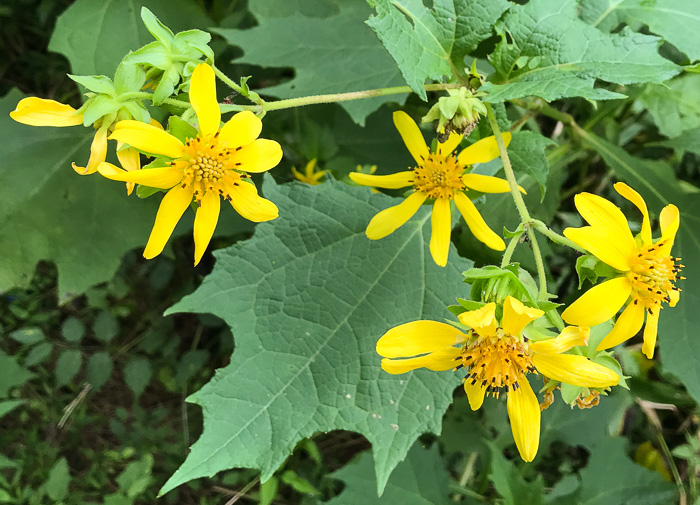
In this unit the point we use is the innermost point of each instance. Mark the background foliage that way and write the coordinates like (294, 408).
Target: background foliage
(93, 378)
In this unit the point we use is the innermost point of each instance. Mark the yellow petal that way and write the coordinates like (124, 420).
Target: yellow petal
(161, 178)
(669, 220)
(205, 223)
(626, 192)
(174, 204)
(203, 99)
(627, 326)
(98, 153)
(599, 303)
(575, 370)
(483, 151)
(389, 220)
(476, 223)
(438, 361)
(129, 157)
(650, 331)
(247, 202)
(516, 316)
(608, 219)
(524, 415)
(487, 184)
(147, 138)
(602, 245)
(34, 111)
(242, 129)
(258, 156)
(418, 337)
(571, 336)
(445, 148)
(674, 296)
(475, 393)
(441, 224)
(411, 135)
(482, 320)
(392, 181)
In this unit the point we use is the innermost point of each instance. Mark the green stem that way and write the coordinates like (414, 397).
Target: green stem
(149, 96)
(353, 95)
(508, 254)
(519, 202)
(554, 236)
(540, 264)
(229, 82)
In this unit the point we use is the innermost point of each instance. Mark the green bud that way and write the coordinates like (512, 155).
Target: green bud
(458, 112)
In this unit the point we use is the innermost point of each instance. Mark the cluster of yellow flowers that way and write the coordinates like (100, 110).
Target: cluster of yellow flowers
(496, 343)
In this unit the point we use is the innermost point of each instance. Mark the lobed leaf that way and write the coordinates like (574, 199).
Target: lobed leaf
(307, 298)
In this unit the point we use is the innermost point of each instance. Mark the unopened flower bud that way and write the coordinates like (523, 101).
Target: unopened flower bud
(458, 112)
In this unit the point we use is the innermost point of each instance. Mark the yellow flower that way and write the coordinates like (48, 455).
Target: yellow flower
(310, 175)
(497, 358)
(439, 176)
(215, 163)
(34, 111)
(647, 272)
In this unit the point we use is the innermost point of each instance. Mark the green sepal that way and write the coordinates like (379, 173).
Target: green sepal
(611, 363)
(570, 393)
(159, 31)
(97, 83)
(181, 129)
(154, 54)
(198, 40)
(137, 111)
(166, 86)
(129, 77)
(494, 284)
(98, 107)
(464, 306)
(588, 267)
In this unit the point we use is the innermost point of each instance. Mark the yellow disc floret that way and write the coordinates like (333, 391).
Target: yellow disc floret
(438, 176)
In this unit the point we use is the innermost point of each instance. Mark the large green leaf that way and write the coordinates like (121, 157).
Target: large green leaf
(611, 477)
(679, 346)
(677, 21)
(432, 43)
(307, 298)
(95, 36)
(333, 54)
(547, 51)
(675, 107)
(84, 224)
(421, 479)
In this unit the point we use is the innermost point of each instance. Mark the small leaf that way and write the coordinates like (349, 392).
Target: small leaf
(11, 374)
(99, 370)
(59, 479)
(72, 329)
(67, 366)
(299, 484)
(28, 336)
(106, 326)
(137, 374)
(508, 482)
(268, 490)
(38, 354)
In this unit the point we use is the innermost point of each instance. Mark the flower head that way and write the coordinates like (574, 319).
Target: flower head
(497, 358)
(646, 271)
(440, 176)
(310, 175)
(214, 164)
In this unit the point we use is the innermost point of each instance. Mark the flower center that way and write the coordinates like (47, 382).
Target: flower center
(438, 176)
(497, 363)
(206, 163)
(653, 276)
